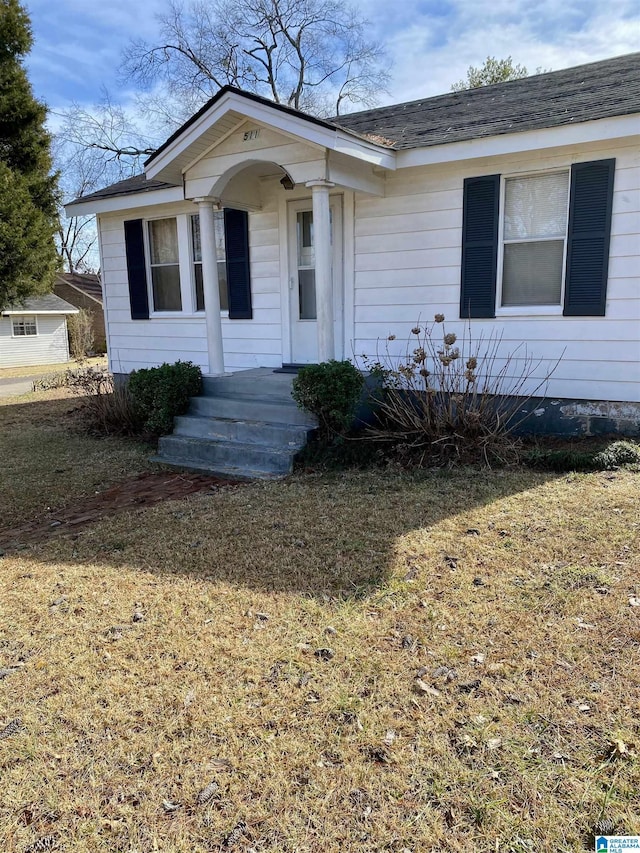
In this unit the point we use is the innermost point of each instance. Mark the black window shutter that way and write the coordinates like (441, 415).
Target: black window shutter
(236, 235)
(479, 246)
(136, 269)
(585, 292)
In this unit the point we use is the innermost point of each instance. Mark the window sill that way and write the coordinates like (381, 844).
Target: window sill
(530, 311)
(182, 315)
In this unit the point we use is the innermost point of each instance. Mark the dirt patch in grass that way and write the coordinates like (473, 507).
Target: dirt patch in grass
(363, 662)
(49, 462)
(134, 493)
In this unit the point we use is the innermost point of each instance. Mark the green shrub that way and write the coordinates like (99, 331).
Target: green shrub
(615, 455)
(331, 391)
(161, 393)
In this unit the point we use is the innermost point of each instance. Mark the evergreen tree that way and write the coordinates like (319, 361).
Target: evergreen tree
(28, 189)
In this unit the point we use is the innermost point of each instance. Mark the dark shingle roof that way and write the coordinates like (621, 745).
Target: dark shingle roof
(598, 90)
(38, 304)
(136, 184)
(86, 283)
(584, 93)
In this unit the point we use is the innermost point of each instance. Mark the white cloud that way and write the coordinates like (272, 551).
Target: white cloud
(431, 42)
(433, 52)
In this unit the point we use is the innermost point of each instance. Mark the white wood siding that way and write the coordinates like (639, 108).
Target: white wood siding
(404, 264)
(49, 346)
(134, 344)
(407, 267)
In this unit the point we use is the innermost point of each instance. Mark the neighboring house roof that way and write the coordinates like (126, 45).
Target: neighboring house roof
(598, 90)
(86, 283)
(47, 304)
(585, 93)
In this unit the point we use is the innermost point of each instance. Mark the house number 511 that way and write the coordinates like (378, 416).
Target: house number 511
(251, 134)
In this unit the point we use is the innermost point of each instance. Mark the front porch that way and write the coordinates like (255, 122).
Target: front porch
(245, 155)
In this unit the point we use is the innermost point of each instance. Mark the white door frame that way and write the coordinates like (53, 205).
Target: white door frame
(343, 241)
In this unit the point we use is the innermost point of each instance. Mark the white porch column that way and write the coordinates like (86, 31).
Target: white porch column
(324, 278)
(210, 285)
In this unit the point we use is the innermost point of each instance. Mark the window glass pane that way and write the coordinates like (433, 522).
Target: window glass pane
(166, 288)
(195, 238)
(163, 241)
(536, 207)
(218, 223)
(24, 326)
(307, 294)
(222, 283)
(532, 273)
(197, 272)
(196, 243)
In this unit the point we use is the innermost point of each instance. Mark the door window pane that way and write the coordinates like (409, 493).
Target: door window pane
(307, 263)
(307, 294)
(306, 253)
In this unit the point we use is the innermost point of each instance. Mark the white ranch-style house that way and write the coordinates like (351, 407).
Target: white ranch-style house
(35, 332)
(259, 236)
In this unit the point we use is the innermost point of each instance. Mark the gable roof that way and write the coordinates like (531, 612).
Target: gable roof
(86, 283)
(598, 90)
(49, 303)
(250, 96)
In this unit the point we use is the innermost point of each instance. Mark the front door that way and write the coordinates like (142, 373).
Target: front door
(302, 283)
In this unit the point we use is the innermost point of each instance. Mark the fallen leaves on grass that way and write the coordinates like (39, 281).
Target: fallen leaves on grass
(347, 754)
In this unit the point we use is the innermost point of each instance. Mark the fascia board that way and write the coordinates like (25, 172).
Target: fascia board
(514, 143)
(124, 202)
(30, 311)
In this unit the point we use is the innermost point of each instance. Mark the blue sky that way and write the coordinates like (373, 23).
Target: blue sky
(431, 44)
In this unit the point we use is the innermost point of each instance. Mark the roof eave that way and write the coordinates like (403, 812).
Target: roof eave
(515, 142)
(26, 310)
(127, 201)
(169, 161)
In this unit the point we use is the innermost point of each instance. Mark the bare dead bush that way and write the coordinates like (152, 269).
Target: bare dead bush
(453, 398)
(81, 337)
(108, 408)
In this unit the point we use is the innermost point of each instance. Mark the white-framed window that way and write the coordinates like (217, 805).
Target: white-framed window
(164, 264)
(196, 252)
(535, 211)
(24, 327)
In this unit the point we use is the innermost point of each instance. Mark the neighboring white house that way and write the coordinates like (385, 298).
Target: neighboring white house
(36, 332)
(516, 205)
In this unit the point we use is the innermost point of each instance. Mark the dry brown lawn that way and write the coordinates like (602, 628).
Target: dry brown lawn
(60, 367)
(265, 643)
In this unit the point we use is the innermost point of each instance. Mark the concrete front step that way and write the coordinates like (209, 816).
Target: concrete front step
(260, 383)
(251, 409)
(244, 424)
(284, 436)
(225, 456)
